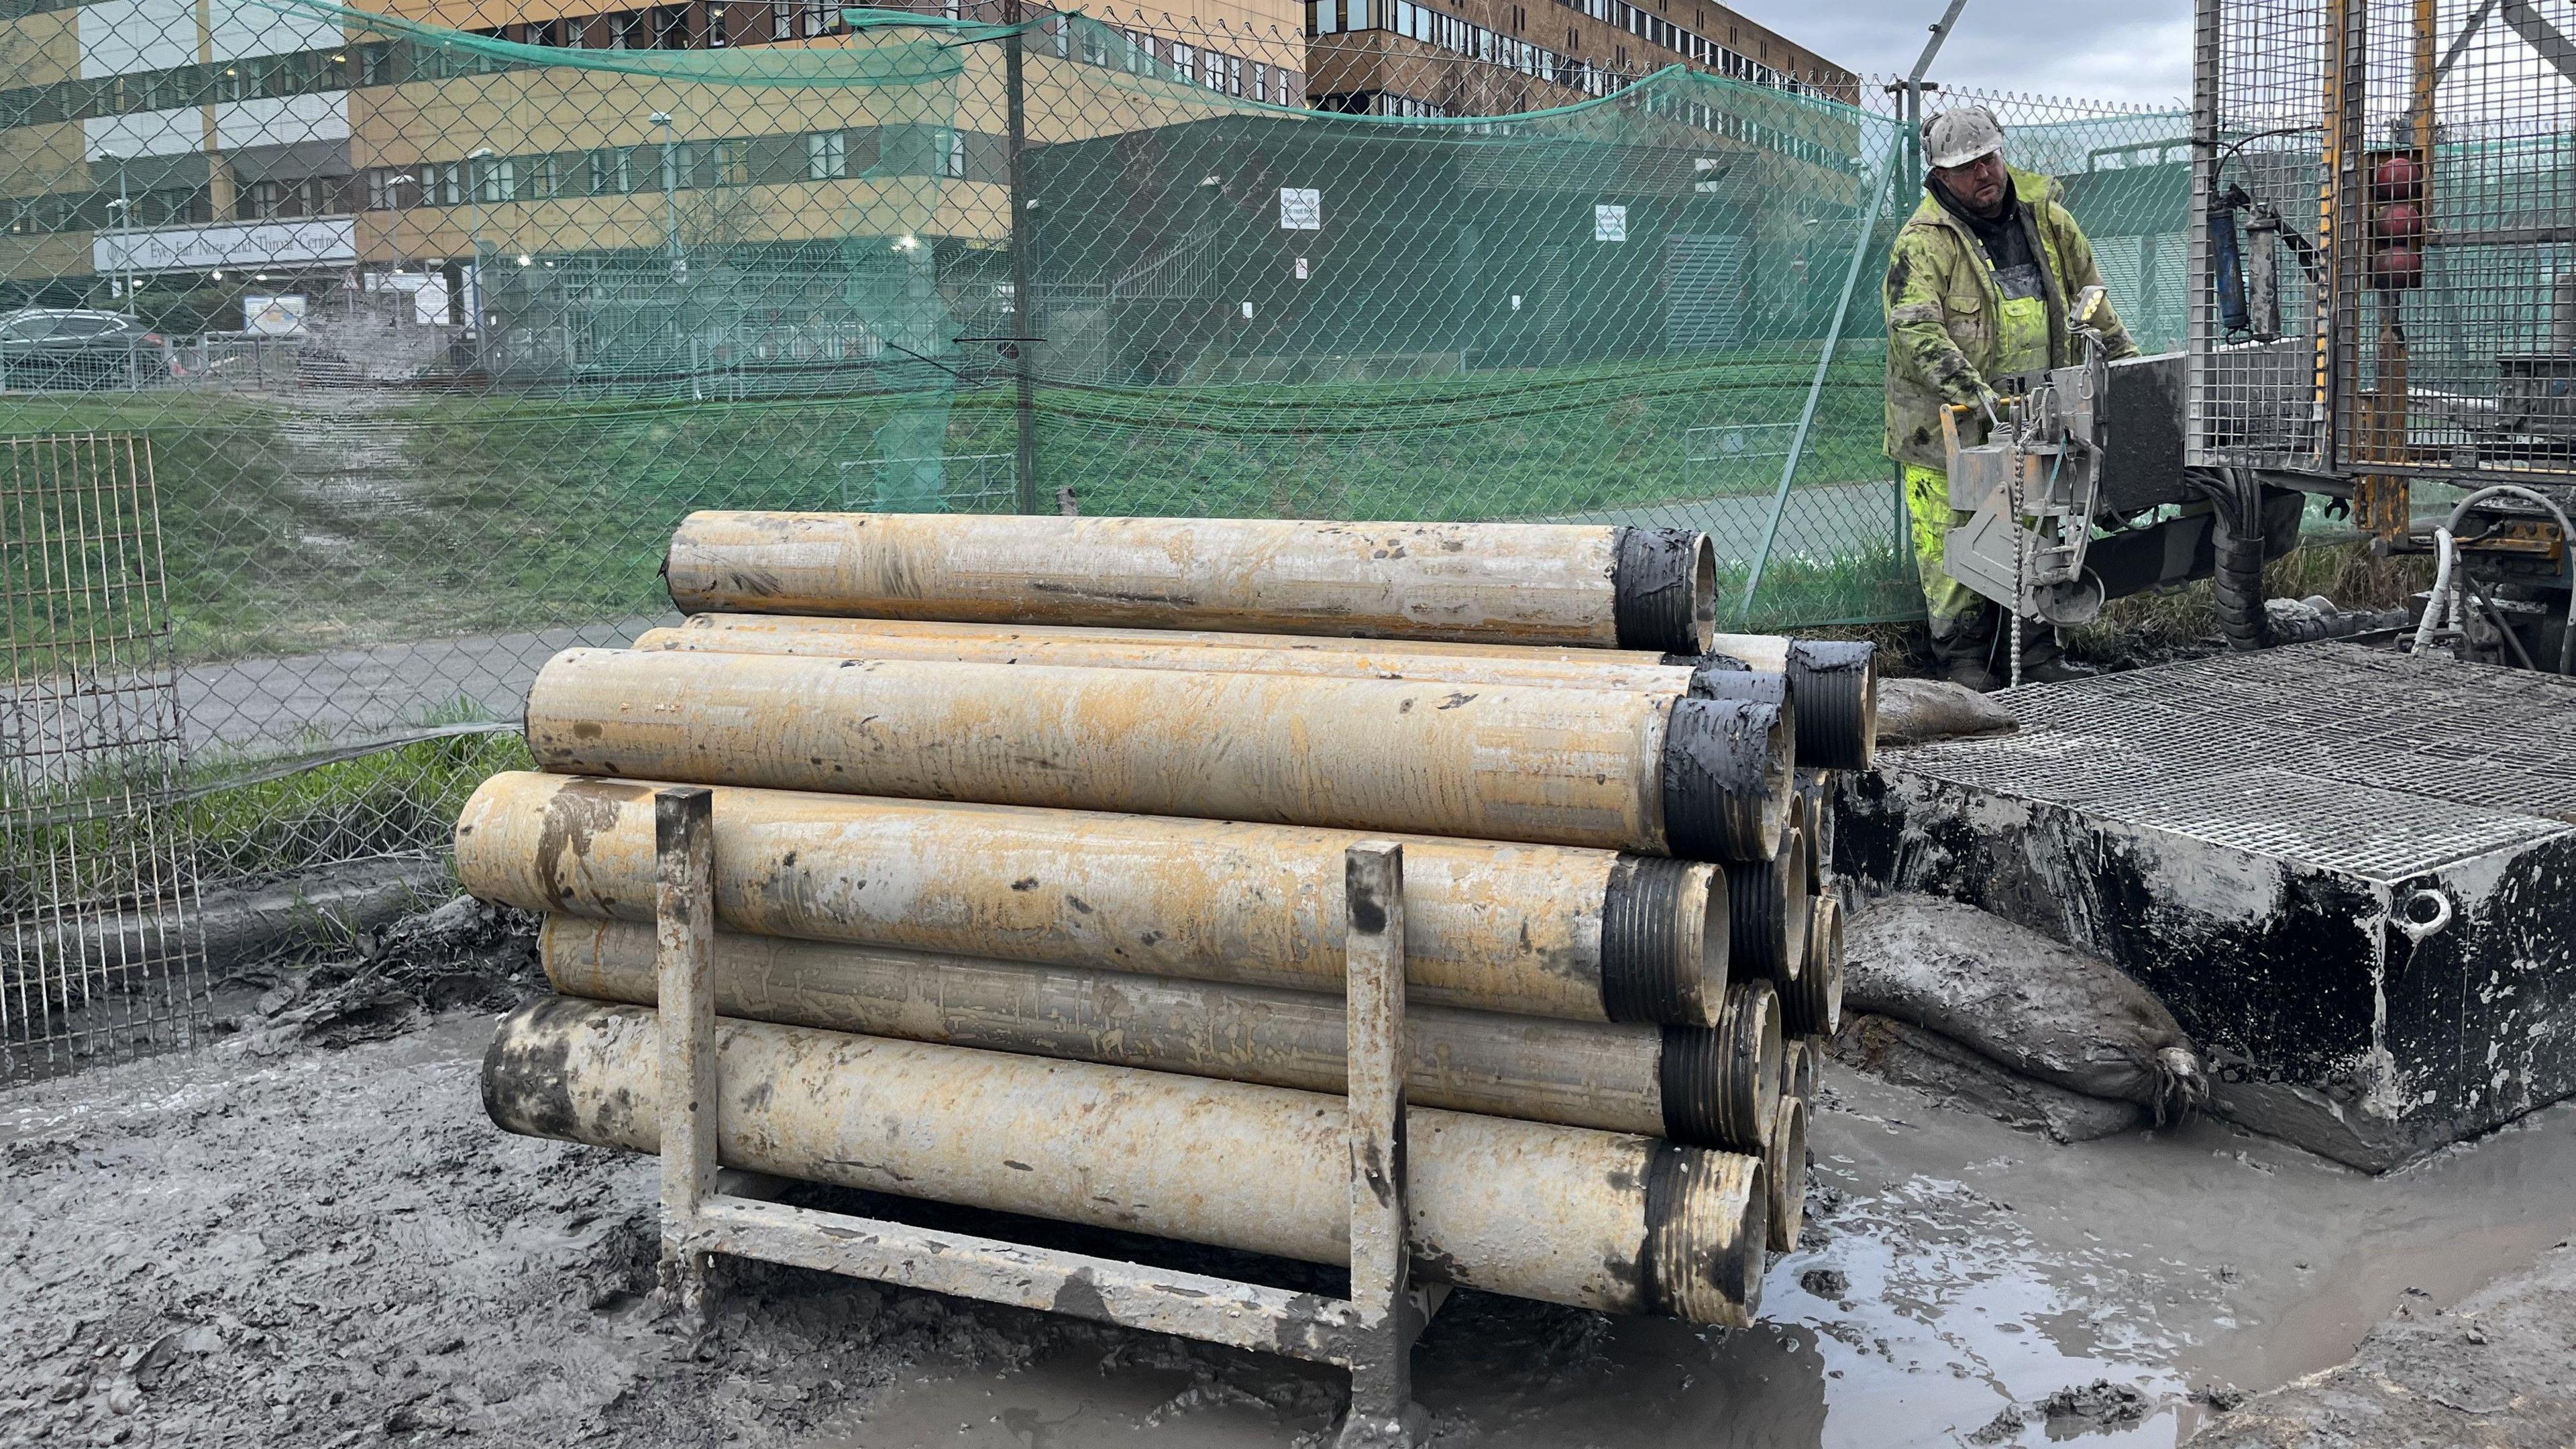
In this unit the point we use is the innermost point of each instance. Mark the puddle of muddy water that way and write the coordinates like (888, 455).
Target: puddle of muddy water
(1983, 1269)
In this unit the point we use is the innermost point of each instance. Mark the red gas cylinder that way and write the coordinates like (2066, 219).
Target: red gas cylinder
(2396, 269)
(2398, 222)
(2397, 178)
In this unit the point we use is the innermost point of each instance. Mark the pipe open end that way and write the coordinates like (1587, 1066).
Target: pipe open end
(1812, 1004)
(1836, 685)
(1663, 590)
(1784, 1169)
(1708, 1225)
(1728, 774)
(1767, 903)
(1664, 942)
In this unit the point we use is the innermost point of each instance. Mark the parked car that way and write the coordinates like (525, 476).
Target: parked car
(58, 347)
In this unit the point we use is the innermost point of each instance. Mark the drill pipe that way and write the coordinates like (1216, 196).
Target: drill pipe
(1159, 649)
(1563, 1214)
(1800, 1061)
(1535, 930)
(1596, 586)
(1767, 932)
(1653, 1081)
(1701, 778)
(1811, 1002)
(1835, 683)
(1784, 1168)
(1749, 1032)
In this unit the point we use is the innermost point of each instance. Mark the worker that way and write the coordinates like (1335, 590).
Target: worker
(1977, 291)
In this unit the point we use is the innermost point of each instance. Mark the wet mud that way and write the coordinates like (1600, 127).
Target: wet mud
(334, 1247)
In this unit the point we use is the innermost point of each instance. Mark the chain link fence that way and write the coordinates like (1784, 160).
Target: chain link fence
(435, 335)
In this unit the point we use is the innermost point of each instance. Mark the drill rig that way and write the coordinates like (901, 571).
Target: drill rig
(2382, 316)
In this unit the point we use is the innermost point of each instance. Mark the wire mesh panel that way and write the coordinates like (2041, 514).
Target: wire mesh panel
(2455, 226)
(2389, 265)
(2259, 377)
(436, 334)
(97, 879)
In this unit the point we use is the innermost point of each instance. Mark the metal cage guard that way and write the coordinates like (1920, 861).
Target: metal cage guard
(1371, 1333)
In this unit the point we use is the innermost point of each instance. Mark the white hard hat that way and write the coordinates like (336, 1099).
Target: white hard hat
(1955, 138)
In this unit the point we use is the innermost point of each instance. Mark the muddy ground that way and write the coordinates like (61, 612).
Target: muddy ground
(309, 1235)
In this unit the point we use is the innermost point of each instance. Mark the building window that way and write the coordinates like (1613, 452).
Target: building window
(716, 27)
(496, 179)
(827, 156)
(671, 27)
(612, 171)
(1260, 81)
(956, 170)
(542, 182)
(782, 20)
(820, 20)
(628, 30)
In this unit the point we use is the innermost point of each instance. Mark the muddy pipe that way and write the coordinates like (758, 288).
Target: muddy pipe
(1784, 1170)
(1153, 649)
(1535, 930)
(1749, 1033)
(1800, 1061)
(1597, 586)
(1811, 1002)
(1770, 910)
(1563, 1214)
(1670, 1082)
(1705, 779)
(1836, 684)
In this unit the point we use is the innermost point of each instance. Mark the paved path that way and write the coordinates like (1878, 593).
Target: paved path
(314, 701)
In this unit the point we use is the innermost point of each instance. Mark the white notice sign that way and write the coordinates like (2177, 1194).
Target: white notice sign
(1301, 208)
(1609, 223)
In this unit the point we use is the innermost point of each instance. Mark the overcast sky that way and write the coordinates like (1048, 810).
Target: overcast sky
(2119, 50)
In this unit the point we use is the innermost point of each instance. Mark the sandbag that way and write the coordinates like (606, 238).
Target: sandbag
(1933, 1064)
(1919, 711)
(2021, 999)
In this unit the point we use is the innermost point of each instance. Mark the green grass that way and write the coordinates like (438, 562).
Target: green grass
(348, 520)
(397, 801)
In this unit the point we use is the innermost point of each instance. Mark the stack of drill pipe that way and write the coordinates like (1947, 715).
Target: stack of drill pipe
(1574, 986)
(1018, 808)
(1597, 587)
(1563, 1214)
(1443, 587)
(1624, 770)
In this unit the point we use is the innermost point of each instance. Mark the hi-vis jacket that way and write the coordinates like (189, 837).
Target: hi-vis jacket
(1948, 332)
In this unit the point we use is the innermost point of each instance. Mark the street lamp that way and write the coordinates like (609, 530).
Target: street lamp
(393, 193)
(474, 235)
(124, 229)
(671, 193)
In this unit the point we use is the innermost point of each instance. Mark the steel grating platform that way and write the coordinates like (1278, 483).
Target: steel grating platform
(2351, 873)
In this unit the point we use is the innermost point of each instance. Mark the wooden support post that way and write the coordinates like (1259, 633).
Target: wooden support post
(1382, 1413)
(684, 929)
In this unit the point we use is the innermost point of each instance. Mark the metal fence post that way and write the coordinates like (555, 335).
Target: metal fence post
(1023, 302)
(684, 932)
(1382, 1413)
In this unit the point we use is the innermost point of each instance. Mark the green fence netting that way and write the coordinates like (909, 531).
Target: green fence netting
(435, 335)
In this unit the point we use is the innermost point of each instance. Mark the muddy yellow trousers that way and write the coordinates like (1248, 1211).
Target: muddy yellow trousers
(1927, 504)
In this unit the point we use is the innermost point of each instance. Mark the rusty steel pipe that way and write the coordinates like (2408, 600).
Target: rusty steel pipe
(1784, 1169)
(1767, 932)
(1563, 1214)
(1700, 778)
(1601, 586)
(1535, 930)
(1152, 649)
(1811, 1002)
(1653, 1081)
